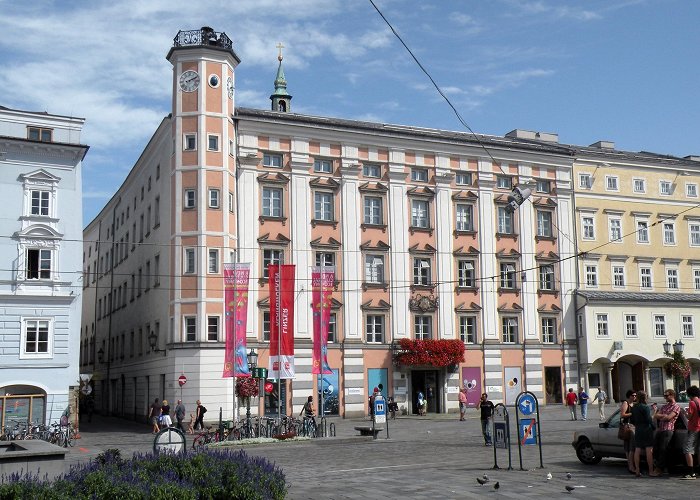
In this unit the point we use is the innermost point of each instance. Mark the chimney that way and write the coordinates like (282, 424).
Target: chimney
(603, 145)
(692, 157)
(533, 136)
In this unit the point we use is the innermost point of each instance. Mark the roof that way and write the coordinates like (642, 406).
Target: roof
(639, 297)
(43, 113)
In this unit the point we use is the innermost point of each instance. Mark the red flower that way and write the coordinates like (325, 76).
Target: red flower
(246, 387)
(430, 352)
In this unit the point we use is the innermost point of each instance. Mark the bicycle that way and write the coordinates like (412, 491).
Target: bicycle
(309, 427)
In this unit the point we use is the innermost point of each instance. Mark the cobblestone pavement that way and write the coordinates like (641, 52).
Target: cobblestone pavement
(436, 456)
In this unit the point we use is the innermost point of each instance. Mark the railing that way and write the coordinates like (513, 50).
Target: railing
(203, 36)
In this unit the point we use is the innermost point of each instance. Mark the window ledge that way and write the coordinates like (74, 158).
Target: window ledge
(322, 222)
(416, 229)
(464, 232)
(513, 236)
(264, 218)
(545, 238)
(366, 226)
(367, 285)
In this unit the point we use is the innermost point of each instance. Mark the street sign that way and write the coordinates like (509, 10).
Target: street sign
(87, 390)
(526, 404)
(528, 431)
(182, 380)
(500, 435)
(169, 440)
(379, 409)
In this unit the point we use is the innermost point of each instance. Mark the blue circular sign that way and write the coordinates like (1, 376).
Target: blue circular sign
(527, 404)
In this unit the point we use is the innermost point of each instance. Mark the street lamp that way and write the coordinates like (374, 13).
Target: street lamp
(153, 342)
(252, 365)
(678, 347)
(667, 348)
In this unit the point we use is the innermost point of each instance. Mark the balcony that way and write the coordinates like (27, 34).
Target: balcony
(204, 36)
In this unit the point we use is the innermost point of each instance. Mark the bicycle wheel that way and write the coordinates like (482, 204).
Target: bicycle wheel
(70, 437)
(199, 442)
(60, 439)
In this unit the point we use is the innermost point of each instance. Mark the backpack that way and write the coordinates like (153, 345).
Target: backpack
(203, 410)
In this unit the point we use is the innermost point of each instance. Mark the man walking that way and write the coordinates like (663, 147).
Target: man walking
(154, 414)
(486, 408)
(571, 400)
(665, 418)
(600, 397)
(691, 442)
(199, 416)
(180, 414)
(583, 401)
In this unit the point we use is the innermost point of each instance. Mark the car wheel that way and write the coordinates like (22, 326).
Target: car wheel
(586, 454)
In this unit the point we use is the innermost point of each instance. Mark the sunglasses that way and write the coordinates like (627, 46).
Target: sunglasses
(634, 395)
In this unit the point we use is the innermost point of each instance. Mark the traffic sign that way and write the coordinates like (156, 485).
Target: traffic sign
(526, 404)
(379, 409)
(182, 380)
(499, 429)
(528, 431)
(87, 390)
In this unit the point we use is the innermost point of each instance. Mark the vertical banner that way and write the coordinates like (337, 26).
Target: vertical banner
(281, 321)
(322, 282)
(471, 380)
(236, 310)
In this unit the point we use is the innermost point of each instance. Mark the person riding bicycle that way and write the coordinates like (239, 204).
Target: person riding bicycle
(308, 410)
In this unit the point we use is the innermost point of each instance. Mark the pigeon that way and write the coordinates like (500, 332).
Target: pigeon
(496, 485)
(568, 475)
(569, 488)
(549, 476)
(481, 481)
(485, 477)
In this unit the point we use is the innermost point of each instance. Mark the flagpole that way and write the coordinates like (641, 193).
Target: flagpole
(278, 302)
(323, 269)
(235, 336)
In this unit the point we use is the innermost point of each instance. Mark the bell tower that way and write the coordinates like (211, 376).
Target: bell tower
(281, 100)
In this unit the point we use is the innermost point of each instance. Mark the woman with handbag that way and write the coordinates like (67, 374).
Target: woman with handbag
(626, 432)
(643, 433)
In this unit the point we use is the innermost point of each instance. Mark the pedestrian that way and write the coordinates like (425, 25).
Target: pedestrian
(600, 397)
(421, 403)
(165, 419)
(199, 415)
(691, 442)
(643, 433)
(583, 402)
(462, 403)
(393, 407)
(665, 418)
(190, 425)
(153, 415)
(571, 400)
(90, 407)
(180, 413)
(486, 408)
(625, 415)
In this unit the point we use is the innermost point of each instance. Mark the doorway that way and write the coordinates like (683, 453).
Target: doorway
(427, 382)
(552, 385)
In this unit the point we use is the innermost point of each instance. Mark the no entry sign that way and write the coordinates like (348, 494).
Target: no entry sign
(182, 380)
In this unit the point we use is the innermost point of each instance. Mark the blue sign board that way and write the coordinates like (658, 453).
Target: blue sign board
(499, 438)
(526, 404)
(379, 409)
(527, 431)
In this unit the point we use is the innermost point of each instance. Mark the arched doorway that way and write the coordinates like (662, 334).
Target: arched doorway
(22, 404)
(627, 373)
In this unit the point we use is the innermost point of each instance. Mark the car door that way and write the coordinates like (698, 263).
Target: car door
(608, 442)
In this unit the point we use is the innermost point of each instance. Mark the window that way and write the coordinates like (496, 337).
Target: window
(602, 325)
(38, 264)
(156, 270)
(190, 142)
(544, 223)
(611, 183)
(189, 263)
(688, 329)
(669, 233)
(645, 278)
(672, 278)
(271, 258)
(421, 271)
(374, 268)
(419, 213)
(694, 229)
(465, 218)
(190, 198)
(213, 142)
(36, 333)
(546, 277)
(325, 259)
(323, 206)
(266, 326)
(631, 326)
(272, 202)
(157, 172)
(659, 325)
(549, 330)
(323, 166)
(504, 182)
(618, 276)
(615, 230)
(639, 186)
(333, 327)
(585, 181)
(39, 134)
(419, 174)
(212, 328)
(467, 329)
(214, 199)
(691, 190)
(665, 188)
(371, 170)
(423, 327)
(505, 220)
(375, 328)
(463, 179)
(270, 160)
(40, 202)
(230, 202)
(156, 219)
(147, 276)
(465, 273)
(190, 324)
(588, 227)
(373, 210)
(507, 275)
(509, 329)
(542, 186)
(642, 231)
(213, 261)
(591, 275)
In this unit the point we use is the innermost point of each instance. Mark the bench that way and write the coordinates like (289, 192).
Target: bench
(366, 430)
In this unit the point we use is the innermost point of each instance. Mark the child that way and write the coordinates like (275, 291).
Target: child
(190, 426)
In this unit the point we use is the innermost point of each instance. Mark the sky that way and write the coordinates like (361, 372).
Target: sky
(626, 71)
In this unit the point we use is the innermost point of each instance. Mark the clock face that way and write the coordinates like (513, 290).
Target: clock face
(189, 81)
(229, 87)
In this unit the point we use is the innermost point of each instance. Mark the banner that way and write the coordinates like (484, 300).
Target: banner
(322, 281)
(471, 381)
(236, 310)
(281, 321)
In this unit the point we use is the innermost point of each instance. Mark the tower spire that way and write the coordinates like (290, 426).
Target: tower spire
(281, 100)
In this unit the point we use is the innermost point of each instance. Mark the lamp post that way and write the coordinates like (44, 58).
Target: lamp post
(677, 354)
(252, 365)
(153, 342)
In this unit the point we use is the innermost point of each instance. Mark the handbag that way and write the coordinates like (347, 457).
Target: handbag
(624, 432)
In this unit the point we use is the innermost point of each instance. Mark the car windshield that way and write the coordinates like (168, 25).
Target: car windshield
(614, 420)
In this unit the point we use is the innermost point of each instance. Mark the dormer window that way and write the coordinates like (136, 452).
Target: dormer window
(39, 134)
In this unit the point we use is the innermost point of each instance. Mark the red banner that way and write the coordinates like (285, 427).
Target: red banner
(281, 321)
(322, 282)
(236, 310)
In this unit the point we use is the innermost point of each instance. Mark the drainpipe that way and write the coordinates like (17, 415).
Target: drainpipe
(111, 305)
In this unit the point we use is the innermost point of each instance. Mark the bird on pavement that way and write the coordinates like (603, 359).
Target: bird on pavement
(549, 476)
(568, 475)
(481, 481)
(569, 488)
(485, 477)
(496, 485)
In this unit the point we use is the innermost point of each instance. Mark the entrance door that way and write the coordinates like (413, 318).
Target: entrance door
(513, 377)
(552, 384)
(427, 383)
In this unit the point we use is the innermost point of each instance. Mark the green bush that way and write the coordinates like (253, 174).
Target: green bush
(212, 474)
